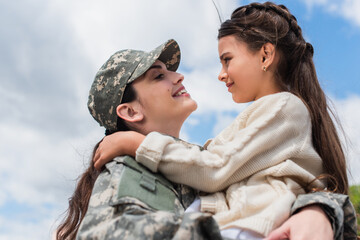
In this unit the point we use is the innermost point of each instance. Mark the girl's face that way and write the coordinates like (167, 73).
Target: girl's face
(164, 100)
(241, 70)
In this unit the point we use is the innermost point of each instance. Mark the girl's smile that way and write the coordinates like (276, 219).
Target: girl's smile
(228, 85)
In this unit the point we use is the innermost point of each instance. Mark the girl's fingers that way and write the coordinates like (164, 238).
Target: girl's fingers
(280, 233)
(97, 165)
(96, 156)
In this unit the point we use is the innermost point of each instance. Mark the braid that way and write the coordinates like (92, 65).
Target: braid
(244, 15)
(257, 24)
(280, 10)
(283, 11)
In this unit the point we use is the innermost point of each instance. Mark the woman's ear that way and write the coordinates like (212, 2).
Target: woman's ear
(267, 55)
(130, 112)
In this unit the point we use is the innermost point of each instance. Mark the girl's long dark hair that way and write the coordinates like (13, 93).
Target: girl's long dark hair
(257, 24)
(79, 201)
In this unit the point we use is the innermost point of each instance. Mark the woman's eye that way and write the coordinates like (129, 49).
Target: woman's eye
(160, 76)
(226, 60)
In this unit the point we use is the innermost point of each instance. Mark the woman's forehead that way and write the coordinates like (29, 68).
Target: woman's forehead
(158, 62)
(156, 65)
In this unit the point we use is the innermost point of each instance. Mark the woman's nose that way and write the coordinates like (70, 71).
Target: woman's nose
(178, 78)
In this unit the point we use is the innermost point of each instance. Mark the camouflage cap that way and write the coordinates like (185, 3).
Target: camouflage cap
(122, 68)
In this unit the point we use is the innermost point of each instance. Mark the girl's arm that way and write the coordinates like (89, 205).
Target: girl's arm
(272, 128)
(269, 132)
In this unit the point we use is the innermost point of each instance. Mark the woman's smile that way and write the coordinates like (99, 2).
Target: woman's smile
(181, 92)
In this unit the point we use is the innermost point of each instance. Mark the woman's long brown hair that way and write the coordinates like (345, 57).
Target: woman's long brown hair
(79, 201)
(257, 24)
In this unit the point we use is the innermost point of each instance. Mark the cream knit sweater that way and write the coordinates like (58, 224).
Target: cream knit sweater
(255, 167)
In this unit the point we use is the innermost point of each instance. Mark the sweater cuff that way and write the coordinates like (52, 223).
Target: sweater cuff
(150, 151)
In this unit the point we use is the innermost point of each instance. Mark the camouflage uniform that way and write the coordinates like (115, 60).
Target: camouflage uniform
(111, 215)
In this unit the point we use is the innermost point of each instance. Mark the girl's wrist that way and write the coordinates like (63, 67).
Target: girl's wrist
(135, 140)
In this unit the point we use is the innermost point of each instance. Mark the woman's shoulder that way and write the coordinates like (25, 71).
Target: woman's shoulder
(109, 176)
(116, 163)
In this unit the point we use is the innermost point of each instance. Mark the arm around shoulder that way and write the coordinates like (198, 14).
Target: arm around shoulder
(238, 151)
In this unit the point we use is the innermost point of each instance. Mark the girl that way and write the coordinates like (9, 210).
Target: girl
(274, 150)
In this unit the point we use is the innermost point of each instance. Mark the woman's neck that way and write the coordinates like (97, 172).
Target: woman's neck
(168, 129)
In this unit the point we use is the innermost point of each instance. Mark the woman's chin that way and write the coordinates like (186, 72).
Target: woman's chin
(192, 106)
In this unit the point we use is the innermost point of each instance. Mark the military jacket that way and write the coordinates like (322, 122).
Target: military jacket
(112, 214)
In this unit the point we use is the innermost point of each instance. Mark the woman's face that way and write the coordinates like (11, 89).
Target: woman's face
(164, 100)
(241, 70)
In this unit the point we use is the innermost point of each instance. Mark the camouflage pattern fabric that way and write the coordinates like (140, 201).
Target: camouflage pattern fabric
(122, 68)
(130, 218)
(338, 208)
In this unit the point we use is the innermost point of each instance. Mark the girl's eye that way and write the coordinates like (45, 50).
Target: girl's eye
(160, 76)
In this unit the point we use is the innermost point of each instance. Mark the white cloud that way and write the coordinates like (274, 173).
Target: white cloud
(19, 229)
(207, 90)
(102, 28)
(39, 172)
(351, 9)
(348, 9)
(349, 116)
(35, 165)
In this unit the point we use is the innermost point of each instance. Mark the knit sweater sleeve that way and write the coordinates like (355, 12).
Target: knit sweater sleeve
(271, 130)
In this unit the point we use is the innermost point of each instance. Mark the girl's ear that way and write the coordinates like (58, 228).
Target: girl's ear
(267, 54)
(130, 112)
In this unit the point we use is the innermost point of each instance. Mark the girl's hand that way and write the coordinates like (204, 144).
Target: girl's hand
(117, 144)
(310, 223)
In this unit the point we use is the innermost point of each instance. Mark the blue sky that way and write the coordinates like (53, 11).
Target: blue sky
(51, 50)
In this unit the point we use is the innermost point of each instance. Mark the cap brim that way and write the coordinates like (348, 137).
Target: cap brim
(168, 53)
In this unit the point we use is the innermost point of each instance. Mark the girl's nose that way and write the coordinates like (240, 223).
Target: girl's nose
(222, 76)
